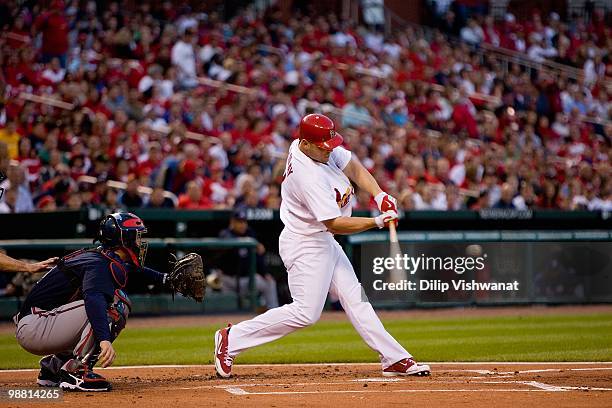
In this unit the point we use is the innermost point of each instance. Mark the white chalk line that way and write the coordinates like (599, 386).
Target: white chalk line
(587, 388)
(238, 389)
(589, 369)
(481, 377)
(378, 379)
(547, 370)
(536, 384)
(242, 392)
(546, 387)
(453, 363)
(539, 387)
(350, 382)
(478, 380)
(353, 382)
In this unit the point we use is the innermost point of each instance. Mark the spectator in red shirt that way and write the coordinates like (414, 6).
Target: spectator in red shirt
(18, 36)
(54, 28)
(151, 165)
(193, 199)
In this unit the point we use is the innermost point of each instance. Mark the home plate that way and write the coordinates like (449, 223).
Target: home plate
(379, 379)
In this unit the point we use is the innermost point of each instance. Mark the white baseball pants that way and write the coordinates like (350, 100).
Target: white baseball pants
(316, 265)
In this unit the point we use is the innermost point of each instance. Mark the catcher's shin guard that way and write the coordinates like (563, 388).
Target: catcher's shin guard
(118, 313)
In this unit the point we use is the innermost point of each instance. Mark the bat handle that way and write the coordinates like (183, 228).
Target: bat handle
(392, 233)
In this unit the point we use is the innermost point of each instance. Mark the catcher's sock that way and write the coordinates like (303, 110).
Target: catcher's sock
(47, 378)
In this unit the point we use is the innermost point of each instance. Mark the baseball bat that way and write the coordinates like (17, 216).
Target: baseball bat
(392, 233)
(396, 274)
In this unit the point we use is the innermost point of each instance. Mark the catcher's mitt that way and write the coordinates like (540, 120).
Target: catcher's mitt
(186, 276)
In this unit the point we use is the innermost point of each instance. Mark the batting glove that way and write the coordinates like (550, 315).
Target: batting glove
(385, 218)
(385, 202)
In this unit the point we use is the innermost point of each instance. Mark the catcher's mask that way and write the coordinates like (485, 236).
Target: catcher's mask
(124, 230)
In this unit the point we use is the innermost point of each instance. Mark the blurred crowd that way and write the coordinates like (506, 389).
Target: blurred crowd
(163, 106)
(580, 42)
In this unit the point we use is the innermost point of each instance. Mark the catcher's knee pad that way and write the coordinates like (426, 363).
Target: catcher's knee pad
(118, 313)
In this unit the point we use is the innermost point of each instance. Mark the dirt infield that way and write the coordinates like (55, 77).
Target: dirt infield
(462, 384)
(476, 385)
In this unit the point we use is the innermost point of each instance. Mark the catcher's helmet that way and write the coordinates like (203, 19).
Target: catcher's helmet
(320, 130)
(124, 230)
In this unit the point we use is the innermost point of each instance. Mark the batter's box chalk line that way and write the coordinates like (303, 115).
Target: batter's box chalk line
(532, 386)
(536, 387)
(544, 370)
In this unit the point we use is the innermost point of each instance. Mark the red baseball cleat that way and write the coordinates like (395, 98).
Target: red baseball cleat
(223, 362)
(407, 366)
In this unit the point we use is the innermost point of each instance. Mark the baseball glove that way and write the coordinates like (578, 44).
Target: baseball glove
(186, 276)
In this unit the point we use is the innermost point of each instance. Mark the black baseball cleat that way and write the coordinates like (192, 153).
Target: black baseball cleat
(47, 378)
(83, 380)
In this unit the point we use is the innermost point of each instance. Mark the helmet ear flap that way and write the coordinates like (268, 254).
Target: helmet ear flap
(109, 233)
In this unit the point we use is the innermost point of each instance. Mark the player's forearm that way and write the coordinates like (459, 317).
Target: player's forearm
(8, 264)
(362, 177)
(350, 225)
(153, 275)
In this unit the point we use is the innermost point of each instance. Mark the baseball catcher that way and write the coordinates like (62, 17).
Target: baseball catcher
(75, 312)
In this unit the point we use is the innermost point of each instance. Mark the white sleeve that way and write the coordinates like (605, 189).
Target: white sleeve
(175, 54)
(320, 200)
(341, 157)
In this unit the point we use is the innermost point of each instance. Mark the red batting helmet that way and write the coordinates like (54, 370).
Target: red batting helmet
(320, 130)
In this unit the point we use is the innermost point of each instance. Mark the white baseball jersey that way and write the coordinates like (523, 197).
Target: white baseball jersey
(312, 192)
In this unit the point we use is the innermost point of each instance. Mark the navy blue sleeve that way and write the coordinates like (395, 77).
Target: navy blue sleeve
(98, 292)
(96, 307)
(153, 275)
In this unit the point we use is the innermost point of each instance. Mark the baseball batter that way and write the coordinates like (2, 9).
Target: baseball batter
(316, 194)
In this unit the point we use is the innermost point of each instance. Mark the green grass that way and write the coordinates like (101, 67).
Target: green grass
(584, 337)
